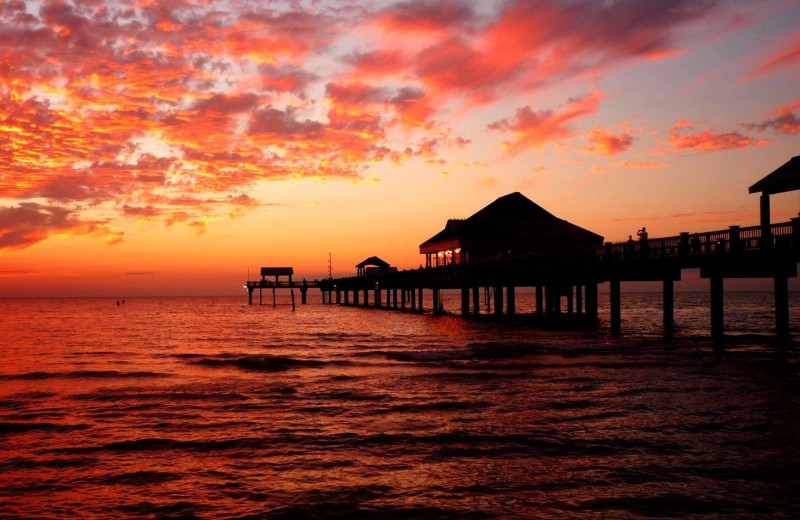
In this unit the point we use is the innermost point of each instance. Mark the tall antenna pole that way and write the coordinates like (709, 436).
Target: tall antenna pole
(330, 267)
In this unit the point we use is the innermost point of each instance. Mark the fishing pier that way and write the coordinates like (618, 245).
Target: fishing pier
(514, 243)
(566, 282)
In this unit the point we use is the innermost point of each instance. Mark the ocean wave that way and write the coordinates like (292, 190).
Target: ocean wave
(26, 427)
(360, 511)
(139, 478)
(81, 374)
(660, 505)
(260, 363)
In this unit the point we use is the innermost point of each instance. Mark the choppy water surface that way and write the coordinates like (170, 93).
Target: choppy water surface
(208, 408)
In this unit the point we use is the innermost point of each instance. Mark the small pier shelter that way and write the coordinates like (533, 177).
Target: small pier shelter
(372, 266)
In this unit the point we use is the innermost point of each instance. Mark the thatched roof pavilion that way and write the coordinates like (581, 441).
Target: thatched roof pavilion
(512, 224)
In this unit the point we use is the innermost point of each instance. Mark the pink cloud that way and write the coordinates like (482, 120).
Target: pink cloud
(532, 129)
(787, 57)
(786, 120)
(683, 137)
(170, 110)
(523, 45)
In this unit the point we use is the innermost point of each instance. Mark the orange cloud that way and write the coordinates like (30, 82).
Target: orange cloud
(603, 142)
(681, 138)
(170, 111)
(532, 129)
(639, 165)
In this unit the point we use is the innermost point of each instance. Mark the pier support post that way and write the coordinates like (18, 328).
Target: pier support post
(616, 315)
(250, 296)
(412, 293)
(539, 302)
(591, 300)
(498, 300)
(669, 306)
(303, 291)
(403, 292)
(782, 309)
(465, 301)
(476, 300)
(511, 300)
(355, 297)
(394, 298)
(421, 309)
(273, 296)
(366, 297)
(435, 296)
(570, 300)
(766, 227)
(293, 307)
(548, 299)
(717, 313)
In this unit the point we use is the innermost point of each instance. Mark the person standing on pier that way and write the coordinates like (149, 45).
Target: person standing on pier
(642, 234)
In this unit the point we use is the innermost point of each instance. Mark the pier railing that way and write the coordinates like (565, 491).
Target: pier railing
(282, 284)
(784, 235)
(685, 250)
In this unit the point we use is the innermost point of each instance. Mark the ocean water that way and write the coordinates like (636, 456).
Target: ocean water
(209, 408)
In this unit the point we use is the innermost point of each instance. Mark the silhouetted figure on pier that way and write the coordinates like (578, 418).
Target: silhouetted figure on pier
(630, 248)
(642, 234)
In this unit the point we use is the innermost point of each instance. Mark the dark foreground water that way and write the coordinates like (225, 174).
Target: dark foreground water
(207, 408)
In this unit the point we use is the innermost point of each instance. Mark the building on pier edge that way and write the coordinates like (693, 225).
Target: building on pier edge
(512, 225)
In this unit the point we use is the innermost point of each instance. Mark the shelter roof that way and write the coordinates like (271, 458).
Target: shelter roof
(785, 178)
(276, 271)
(512, 218)
(373, 260)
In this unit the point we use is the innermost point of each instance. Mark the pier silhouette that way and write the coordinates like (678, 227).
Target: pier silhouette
(514, 243)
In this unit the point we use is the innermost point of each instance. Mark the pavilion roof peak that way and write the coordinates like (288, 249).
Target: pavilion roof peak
(513, 205)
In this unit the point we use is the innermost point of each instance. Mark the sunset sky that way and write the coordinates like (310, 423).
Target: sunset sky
(168, 147)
